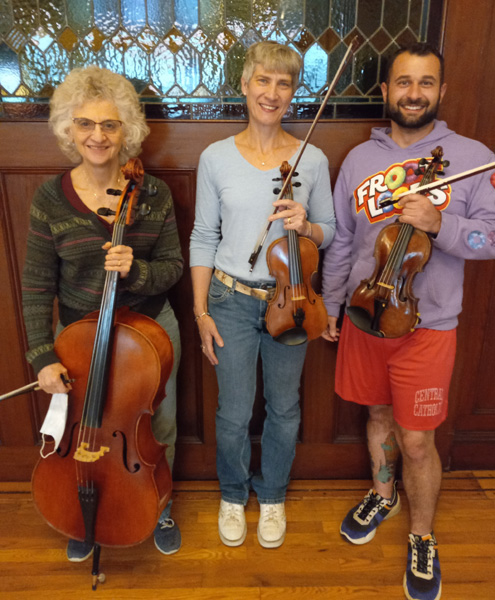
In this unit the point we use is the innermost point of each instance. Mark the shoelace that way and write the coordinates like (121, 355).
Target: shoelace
(167, 523)
(423, 553)
(271, 514)
(233, 512)
(370, 503)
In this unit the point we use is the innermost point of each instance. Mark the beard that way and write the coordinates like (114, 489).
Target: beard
(412, 121)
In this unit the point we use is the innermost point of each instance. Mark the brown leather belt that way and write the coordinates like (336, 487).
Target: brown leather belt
(230, 282)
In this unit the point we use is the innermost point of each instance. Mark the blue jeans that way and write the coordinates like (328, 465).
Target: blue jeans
(240, 320)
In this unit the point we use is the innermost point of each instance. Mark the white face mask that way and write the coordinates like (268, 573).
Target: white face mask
(55, 420)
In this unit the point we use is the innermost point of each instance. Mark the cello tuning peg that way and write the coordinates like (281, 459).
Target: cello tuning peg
(445, 163)
(422, 162)
(105, 212)
(276, 191)
(297, 184)
(152, 190)
(112, 192)
(418, 172)
(144, 209)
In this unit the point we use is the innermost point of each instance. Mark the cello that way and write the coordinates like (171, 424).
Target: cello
(109, 469)
(296, 313)
(384, 305)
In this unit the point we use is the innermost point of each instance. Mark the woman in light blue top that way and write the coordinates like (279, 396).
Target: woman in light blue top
(235, 199)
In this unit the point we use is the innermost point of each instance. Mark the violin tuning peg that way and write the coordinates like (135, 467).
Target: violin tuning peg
(295, 174)
(422, 162)
(276, 191)
(277, 179)
(418, 172)
(445, 163)
(152, 190)
(297, 184)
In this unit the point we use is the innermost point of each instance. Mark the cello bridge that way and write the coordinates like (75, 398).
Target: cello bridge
(82, 454)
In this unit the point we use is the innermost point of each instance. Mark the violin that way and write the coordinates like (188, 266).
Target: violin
(109, 480)
(384, 305)
(296, 313)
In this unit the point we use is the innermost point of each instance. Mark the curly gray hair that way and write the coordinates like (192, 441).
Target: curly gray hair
(95, 83)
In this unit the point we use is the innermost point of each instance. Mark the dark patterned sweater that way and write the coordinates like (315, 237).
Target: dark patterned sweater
(65, 260)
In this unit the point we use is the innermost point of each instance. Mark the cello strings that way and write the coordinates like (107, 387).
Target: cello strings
(87, 430)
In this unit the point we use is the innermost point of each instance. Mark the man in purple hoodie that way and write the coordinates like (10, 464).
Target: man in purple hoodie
(411, 374)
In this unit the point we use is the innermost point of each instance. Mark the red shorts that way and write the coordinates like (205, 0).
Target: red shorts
(412, 373)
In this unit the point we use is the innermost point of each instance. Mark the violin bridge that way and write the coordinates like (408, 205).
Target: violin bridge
(82, 454)
(298, 298)
(386, 285)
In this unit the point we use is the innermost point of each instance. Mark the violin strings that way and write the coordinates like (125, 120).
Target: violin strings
(405, 233)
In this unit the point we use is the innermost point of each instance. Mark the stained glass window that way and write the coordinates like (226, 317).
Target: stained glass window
(184, 57)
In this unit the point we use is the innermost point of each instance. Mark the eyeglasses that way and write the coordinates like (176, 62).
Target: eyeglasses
(109, 126)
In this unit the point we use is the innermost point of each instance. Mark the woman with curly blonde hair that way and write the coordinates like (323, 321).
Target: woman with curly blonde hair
(97, 119)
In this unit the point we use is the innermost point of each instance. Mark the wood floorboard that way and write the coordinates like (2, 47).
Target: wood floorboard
(314, 562)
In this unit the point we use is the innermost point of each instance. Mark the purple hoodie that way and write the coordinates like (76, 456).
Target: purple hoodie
(374, 170)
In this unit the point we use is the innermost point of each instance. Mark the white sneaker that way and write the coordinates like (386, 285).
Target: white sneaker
(231, 523)
(272, 525)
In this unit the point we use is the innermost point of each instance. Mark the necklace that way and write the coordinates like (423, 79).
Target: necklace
(99, 195)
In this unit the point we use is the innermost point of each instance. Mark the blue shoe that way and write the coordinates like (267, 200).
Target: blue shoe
(167, 536)
(78, 551)
(361, 522)
(422, 579)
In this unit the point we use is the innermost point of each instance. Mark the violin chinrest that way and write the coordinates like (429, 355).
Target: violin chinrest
(292, 337)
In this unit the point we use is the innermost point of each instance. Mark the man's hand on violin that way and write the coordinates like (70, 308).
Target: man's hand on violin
(118, 258)
(50, 379)
(331, 333)
(419, 212)
(293, 215)
(208, 332)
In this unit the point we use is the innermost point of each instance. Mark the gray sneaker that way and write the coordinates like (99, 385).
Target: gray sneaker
(78, 551)
(167, 536)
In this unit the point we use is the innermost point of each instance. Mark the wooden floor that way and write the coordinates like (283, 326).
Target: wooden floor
(314, 562)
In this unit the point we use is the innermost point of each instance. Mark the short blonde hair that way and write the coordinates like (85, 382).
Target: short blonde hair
(95, 83)
(274, 57)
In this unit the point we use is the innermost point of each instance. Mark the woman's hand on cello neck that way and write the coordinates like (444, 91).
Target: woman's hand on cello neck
(118, 258)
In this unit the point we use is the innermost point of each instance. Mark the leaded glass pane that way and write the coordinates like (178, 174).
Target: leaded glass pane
(107, 15)
(187, 55)
(291, 16)
(160, 16)
(80, 16)
(6, 17)
(343, 16)
(133, 15)
(186, 15)
(317, 16)
(238, 16)
(11, 74)
(53, 16)
(211, 15)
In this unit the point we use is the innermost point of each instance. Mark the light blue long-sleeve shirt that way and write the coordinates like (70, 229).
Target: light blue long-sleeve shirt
(234, 200)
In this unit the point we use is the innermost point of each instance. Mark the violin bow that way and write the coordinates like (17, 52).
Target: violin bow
(262, 238)
(437, 183)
